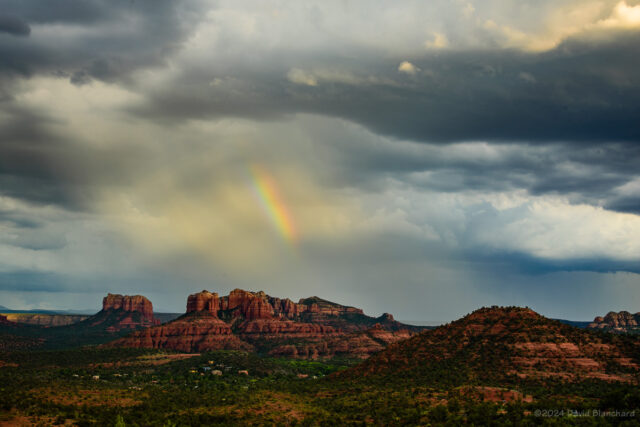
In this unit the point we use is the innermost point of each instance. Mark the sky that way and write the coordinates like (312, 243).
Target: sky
(418, 158)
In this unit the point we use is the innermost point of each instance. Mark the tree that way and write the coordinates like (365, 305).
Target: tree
(120, 421)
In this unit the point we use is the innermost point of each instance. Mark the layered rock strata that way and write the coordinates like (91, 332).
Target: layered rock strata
(255, 320)
(622, 321)
(121, 312)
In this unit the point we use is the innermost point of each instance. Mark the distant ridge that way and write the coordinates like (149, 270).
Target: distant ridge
(582, 324)
(87, 312)
(617, 322)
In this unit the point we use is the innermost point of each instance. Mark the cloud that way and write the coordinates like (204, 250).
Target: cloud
(622, 16)
(578, 96)
(439, 41)
(408, 68)
(92, 39)
(460, 151)
(298, 76)
(14, 26)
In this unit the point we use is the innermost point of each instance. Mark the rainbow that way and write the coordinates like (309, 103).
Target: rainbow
(266, 192)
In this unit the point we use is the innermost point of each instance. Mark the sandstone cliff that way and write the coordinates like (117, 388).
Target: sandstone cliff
(193, 332)
(361, 344)
(255, 320)
(121, 312)
(135, 303)
(617, 322)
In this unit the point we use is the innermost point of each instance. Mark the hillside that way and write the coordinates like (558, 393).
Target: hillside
(494, 345)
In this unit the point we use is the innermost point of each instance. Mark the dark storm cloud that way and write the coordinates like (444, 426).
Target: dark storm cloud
(33, 281)
(625, 204)
(589, 174)
(585, 91)
(117, 38)
(110, 40)
(509, 262)
(35, 161)
(63, 11)
(14, 26)
(41, 162)
(30, 281)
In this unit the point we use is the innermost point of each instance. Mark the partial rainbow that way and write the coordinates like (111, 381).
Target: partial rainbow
(266, 190)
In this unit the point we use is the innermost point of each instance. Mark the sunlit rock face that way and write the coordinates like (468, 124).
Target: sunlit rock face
(258, 305)
(245, 320)
(124, 312)
(46, 320)
(622, 321)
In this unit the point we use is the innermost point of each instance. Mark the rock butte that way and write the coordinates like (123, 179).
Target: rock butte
(255, 321)
(617, 322)
(121, 312)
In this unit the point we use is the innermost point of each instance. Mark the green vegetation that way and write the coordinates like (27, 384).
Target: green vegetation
(91, 331)
(504, 366)
(137, 387)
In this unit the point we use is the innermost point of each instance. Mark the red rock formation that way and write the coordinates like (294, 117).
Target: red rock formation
(263, 322)
(258, 305)
(617, 322)
(136, 303)
(285, 308)
(123, 312)
(360, 344)
(245, 304)
(258, 308)
(239, 298)
(285, 329)
(386, 317)
(328, 308)
(194, 332)
(204, 301)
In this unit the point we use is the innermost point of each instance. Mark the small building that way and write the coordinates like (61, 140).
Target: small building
(243, 372)
(96, 377)
(303, 375)
(216, 372)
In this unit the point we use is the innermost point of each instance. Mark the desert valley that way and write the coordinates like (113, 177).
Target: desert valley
(249, 358)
